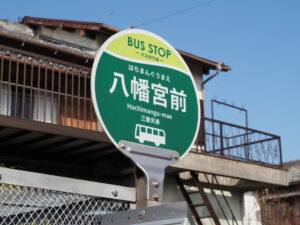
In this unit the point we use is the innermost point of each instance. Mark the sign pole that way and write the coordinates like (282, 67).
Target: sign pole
(152, 161)
(145, 98)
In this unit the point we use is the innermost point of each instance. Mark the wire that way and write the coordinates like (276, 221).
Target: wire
(172, 14)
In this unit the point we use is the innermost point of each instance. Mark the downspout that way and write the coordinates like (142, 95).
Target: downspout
(201, 134)
(218, 69)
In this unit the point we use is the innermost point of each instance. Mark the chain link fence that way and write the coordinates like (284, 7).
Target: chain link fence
(21, 205)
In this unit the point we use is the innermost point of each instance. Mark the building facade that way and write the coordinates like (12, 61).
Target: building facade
(48, 124)
(281, 205)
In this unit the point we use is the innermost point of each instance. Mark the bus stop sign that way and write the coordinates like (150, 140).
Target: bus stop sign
(143, 92)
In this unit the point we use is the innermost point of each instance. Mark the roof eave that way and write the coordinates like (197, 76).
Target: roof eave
(92, 26)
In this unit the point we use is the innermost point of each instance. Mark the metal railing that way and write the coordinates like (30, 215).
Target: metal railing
(41, 90)
(27, 205)
(230, 140)
(28, 198)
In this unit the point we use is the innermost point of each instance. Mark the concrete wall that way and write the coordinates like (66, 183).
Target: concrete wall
(234, 197)
(252, 211)
(197, 72)
(232, 168)
(235, 200)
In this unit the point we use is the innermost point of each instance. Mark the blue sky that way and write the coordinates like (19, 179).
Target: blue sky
(259, 39)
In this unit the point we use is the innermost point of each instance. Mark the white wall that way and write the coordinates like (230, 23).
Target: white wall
(252, 215)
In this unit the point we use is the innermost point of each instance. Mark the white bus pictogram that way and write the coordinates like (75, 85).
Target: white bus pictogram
(151, 134)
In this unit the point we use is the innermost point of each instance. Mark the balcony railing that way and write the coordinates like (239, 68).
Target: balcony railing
(37, 89)
(241, 143)
(54, 93)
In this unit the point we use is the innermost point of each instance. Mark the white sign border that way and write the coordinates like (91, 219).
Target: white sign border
(93, 78)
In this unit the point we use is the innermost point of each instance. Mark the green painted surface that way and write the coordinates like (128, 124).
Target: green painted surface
(144, 102)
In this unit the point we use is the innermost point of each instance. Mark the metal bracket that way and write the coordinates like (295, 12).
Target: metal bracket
(153, 162)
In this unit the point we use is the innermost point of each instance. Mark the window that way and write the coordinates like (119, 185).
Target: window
(15, 104)
(143, 129)
(45, 107)
(20, 102)
(5, 98)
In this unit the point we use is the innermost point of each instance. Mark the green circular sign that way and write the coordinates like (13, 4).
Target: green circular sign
(144, 92)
